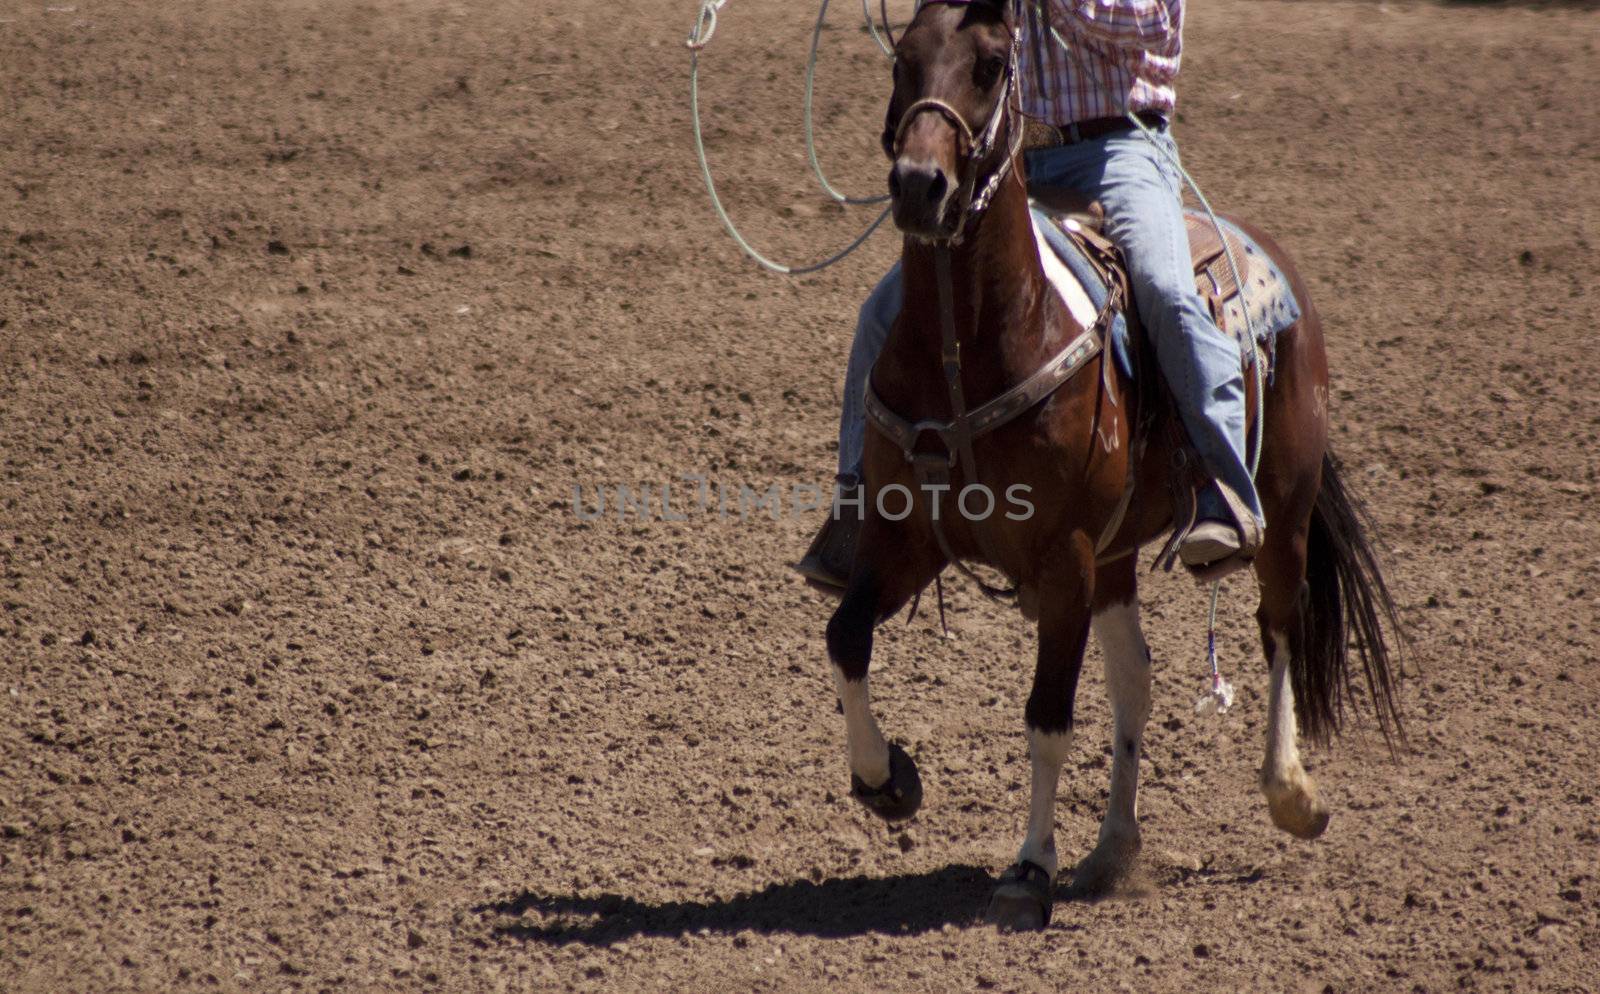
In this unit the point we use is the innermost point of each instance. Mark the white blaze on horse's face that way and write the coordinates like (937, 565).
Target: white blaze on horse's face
(949, 70)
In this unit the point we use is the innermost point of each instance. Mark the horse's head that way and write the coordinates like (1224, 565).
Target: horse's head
(954, 75)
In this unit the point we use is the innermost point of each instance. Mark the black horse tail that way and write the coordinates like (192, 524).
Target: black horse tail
(1346, 602)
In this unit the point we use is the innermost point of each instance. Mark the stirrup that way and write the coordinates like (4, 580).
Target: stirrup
(826, 564)
(1212, 572)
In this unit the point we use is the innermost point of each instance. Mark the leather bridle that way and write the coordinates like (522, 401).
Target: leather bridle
(978, 146)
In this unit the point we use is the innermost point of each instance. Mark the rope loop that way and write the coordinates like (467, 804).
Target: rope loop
(705, 25)
(811, 86)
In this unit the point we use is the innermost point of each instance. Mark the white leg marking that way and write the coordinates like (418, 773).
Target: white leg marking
(1291, 796)
(1282, 765)
(1047, 751)
(869, 751)
(1127, 664)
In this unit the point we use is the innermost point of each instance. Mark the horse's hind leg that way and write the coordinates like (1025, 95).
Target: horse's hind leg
(1291, 795)
(1025, 893)
(882, 777)
(1127, 668)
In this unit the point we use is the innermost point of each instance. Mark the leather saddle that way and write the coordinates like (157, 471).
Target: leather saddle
(1213, 277)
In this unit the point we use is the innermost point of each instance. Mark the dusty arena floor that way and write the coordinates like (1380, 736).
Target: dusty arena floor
(315, 314)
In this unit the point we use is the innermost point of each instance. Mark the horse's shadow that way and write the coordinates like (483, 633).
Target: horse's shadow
(846, 906)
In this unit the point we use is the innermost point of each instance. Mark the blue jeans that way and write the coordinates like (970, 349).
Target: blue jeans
(1141, 192)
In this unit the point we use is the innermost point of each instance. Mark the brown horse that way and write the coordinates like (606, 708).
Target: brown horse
(1078, 449)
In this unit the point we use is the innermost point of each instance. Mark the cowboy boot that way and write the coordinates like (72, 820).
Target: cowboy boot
(1209, 542)
(1217, 546)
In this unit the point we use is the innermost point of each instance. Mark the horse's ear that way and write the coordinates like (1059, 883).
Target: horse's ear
(1007, 13)
(1001, 8)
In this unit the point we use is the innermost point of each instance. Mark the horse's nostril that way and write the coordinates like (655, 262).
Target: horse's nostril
(921, 193)
(922, 184)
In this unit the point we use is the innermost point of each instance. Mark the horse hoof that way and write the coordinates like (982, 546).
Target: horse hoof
(899, 797)
(1300, 812)
(1104, 871)
(1022, 901)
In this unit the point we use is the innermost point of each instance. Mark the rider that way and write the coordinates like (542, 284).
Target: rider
(1124, 60)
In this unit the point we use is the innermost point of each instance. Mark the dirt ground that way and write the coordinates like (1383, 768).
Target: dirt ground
(314, 316)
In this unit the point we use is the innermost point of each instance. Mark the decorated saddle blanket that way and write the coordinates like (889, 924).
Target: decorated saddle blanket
(1073, 258)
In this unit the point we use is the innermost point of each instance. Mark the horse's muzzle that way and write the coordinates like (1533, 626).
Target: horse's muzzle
(923, 196)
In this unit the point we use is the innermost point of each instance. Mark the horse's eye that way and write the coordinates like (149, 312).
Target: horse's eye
(988, 71)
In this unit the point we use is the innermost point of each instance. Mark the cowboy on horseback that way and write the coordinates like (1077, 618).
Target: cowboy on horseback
(967, 358)
(1123, 62)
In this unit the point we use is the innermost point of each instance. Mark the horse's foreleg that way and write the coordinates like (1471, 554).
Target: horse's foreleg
(850, 651)
(1127, 668)
(1024, 896)
(882, 776)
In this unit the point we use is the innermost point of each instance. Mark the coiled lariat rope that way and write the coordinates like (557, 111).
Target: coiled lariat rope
(811, 80)
(883, 40)
(706, 26)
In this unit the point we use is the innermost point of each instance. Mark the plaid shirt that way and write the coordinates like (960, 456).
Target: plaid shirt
(1124, 58)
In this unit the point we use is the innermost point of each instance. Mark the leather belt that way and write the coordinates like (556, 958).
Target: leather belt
(1040, 135)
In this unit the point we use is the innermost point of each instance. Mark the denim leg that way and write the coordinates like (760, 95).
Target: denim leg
(878, 315)
(1140, 192)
